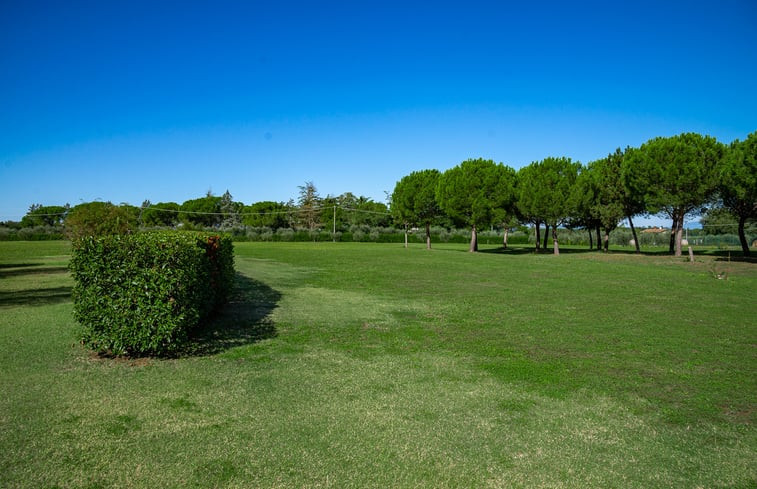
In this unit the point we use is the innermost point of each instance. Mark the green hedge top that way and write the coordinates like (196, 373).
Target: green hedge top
(140, 294)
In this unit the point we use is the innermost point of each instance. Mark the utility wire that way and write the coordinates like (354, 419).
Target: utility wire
(269, 213)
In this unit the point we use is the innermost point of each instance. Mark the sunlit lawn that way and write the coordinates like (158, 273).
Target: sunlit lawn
(363, 365)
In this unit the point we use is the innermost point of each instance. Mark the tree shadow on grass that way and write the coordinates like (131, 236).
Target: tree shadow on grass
(530, 250)
(245, 320)
(523, 250)
(727, 255)
(35, 297)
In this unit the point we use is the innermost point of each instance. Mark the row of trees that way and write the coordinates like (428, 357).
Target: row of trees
(677, 176)
(310, 211)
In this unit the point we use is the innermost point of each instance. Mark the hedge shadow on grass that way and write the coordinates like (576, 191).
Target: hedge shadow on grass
(244, 320)
(21, 270)
(35, 297)
(18, 265)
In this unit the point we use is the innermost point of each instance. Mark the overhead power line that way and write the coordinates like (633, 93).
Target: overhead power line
(269, 213)
(294, 210)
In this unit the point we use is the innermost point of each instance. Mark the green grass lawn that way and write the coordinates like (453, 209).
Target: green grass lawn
(364, 365)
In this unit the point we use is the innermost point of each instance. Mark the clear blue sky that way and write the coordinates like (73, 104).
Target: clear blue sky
(127, 101)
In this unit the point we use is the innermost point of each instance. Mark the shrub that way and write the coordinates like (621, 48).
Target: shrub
(99, 219)
(443, 235)
(36, 233)
(518, 238)
(141, 294)
(285, 234)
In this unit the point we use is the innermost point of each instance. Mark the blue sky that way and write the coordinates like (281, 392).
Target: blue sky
(127, 101)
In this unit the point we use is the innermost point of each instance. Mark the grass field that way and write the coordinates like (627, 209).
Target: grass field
(363, 365)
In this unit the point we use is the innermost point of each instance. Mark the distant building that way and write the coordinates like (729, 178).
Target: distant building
(654, 230)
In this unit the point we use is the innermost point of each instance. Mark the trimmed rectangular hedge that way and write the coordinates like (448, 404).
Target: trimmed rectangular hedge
(141, 294)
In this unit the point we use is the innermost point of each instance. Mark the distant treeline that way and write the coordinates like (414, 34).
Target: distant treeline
(680, 177)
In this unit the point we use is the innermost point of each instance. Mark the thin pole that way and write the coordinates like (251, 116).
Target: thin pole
(333, 234)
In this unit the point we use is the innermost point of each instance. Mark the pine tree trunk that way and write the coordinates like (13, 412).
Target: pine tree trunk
(591, 240)
(633, 232)
(679, 237)
(742, 236)
(428, 236)
(607, 241)
(504, 239)
(546, 236)
(538, 236)
(473, 240)
(677, 234)
(673, 231)
(554, 240)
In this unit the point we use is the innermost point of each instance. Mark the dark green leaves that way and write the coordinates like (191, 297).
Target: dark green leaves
(476, 191)
(414, 197)
(141, 294)
(677, 174)
(544, 190)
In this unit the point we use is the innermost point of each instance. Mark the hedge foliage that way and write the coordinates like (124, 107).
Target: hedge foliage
(141, 294)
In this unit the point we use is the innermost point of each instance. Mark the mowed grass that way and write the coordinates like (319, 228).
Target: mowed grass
(362, 365)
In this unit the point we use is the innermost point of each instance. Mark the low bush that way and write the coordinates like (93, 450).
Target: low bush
(99, 219)
(35, 233)
(141, 294)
